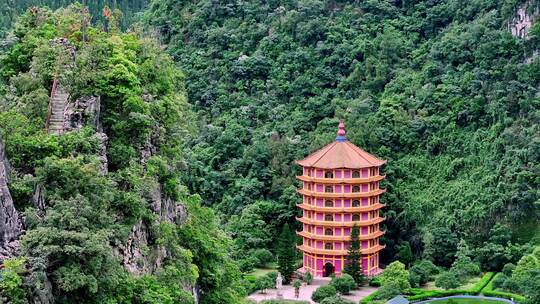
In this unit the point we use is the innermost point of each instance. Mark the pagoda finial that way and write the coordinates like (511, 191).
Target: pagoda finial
(341, 131)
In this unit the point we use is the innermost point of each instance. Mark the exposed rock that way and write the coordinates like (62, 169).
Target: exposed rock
(524, 19)
(102, 153)
(11, 225)
(140, 254)
(38, 199)
(84, 110)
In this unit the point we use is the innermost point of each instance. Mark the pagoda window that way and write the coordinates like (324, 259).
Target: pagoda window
(356, 174)
(356, 189)
(328, 218)
(328, 246)
(328, 189)
(356, 217)
(356, 203)
(328, 231)
(329, 204)
(328, 174)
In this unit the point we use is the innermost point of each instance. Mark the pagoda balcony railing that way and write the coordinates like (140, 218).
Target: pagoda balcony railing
(312, 250)
(323, 237)
(323, 180)
(341, 194)
(360, 223)
(373, 207)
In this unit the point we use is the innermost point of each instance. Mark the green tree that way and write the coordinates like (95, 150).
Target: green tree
(405, 254)
(447, 280)
(11, 281)
(323, 292)
(344, 283)
(354, 257)
(286, 255)
(395, 275)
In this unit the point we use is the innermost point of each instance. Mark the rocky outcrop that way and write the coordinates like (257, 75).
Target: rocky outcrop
(84, 110)
(11, 225)
(523, 19)
(139, 254)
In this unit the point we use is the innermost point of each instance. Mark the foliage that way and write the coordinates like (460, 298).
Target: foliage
(336, 300)
(344, 283)
(264, 283)
(129, 9)
(308, 278)
(87, 208)
(440, 89)
(323, 292)
(447, 280)
(11, 281)
(405, 254)
(395, 275)
(422, 272)
(286, 253)
(387, 292)
(354, 257)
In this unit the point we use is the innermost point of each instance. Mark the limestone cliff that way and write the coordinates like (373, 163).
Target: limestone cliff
(10, 222)
(523, 19)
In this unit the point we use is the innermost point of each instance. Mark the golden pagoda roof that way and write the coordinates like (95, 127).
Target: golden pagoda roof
(341, 154)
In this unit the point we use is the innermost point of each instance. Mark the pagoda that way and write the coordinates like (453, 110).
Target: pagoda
(340, 189)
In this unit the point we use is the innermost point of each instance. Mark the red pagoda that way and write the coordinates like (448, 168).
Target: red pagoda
(340, 189)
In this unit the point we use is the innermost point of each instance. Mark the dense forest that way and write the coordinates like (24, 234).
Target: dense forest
(130, 9)
(185, 171)
(441, 89)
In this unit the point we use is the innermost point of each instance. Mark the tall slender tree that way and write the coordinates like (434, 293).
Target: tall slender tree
(354, 257)
(286, 253)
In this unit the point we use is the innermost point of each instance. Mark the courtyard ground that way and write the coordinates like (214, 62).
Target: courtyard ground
(306, 290)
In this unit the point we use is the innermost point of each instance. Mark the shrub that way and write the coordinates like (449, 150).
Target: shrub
(344, 284)
(499, 280)
(308, 278)
(374, 282)
(263, 283)
(422, 272)
(263, 257)
(447, 280)
(511, 285)
(323, 292)
(297, 284)
(336, 300)
(483, 282)
(396, 275)
(387, 292)
(508, 269)
(247, 264)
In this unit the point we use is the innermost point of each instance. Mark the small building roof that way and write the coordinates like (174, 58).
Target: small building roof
(398, 300)
(341, 154)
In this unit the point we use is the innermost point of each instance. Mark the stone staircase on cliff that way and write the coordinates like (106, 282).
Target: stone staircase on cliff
(57, 104)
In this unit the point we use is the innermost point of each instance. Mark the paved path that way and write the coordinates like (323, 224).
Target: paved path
(305, 293)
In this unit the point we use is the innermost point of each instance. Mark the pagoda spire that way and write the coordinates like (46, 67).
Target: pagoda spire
(341, 131)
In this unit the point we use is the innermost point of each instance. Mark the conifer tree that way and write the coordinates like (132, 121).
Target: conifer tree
(354, 257)
(286, 253)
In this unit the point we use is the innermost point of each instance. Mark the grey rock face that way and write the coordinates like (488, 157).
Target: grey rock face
(139, 254)
(11, 225)
(524, 18)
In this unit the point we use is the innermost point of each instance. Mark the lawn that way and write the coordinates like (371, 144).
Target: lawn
(259, 272)
(465, 301)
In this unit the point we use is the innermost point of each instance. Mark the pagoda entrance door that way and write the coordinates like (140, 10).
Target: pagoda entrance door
(328, 269)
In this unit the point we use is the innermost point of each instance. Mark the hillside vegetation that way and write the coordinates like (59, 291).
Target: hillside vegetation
(173, 171)
(105, 218)
(441, 89)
